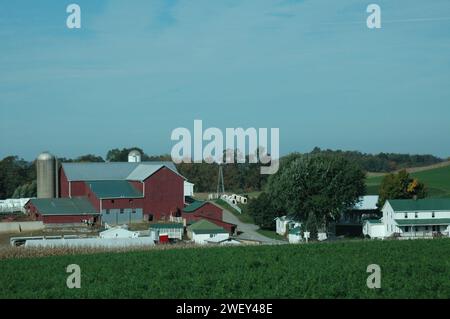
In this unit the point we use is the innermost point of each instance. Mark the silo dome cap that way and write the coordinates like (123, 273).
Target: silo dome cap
(134, 153)
(45, 156)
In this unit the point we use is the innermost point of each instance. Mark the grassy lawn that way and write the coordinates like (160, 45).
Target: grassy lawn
(437, 181)
(271, 234)
(243, 217)
(409, 269)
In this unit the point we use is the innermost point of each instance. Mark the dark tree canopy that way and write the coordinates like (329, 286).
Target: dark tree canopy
(319, 185)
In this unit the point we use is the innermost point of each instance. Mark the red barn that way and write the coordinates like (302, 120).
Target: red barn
(125, 191)
(206, 210)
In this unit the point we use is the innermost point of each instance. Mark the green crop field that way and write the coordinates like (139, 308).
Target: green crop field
(409, 269)
(437, 180)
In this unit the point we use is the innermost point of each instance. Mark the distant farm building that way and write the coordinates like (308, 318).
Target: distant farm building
(412, 218)
(111, 193)
(351, 221)
(202, 231)
(295, 235)
(284, 224)
(171, 230)
(209, 211)
(77, 210)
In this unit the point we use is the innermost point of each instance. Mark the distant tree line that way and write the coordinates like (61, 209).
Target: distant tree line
(383, 162)
(17, 176)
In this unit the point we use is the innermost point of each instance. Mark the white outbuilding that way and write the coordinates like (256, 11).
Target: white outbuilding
(374, 228)
(118, 232)
(295, 235)
(284, 224)
(203, 231)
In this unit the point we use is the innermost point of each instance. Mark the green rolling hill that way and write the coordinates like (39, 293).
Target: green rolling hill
(437, 181)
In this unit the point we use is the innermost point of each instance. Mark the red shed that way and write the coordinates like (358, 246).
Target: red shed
(62, 210)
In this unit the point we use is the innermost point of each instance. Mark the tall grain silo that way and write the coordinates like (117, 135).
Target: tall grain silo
(46, 175)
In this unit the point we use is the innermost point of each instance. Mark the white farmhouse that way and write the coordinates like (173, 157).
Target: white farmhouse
(414, 218)
(203, 231)
(284, 224)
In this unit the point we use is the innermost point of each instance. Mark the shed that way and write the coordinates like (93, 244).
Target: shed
(62, 210)
(203, 230)
(172, 230)
(295, 235)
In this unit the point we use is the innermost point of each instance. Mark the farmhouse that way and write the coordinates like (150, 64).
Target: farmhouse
(412, 218)
(203, 230)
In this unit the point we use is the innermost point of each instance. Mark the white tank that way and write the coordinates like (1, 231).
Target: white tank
(134, 156)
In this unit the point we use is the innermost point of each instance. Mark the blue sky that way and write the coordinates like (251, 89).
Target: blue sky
(134, 72)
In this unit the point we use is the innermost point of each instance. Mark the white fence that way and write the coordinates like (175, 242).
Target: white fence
(18, 227)
(90, 242)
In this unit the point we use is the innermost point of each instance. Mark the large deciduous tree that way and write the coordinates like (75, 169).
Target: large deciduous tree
(316, 188)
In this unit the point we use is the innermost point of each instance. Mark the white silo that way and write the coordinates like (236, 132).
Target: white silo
(46, 175)
(134, 156)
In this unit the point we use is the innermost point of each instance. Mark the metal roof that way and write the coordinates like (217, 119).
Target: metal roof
(368, 202)
(194, 206)
(141, 172)
(166, 226)
(64, 206)
(206, 227)
(427, 204)
(426, 222)
(373, 221)
(113, 170)
(114, 189)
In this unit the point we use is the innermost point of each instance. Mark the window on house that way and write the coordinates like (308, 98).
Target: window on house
(107, 212)
(432, 214)
(434, 228)
(406, 229)
(406, 215)
(121, 211)
(133, 212)
(416, 215)
(112, 201)
(426, 227)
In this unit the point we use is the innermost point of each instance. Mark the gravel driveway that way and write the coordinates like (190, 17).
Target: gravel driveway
(248, 231)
